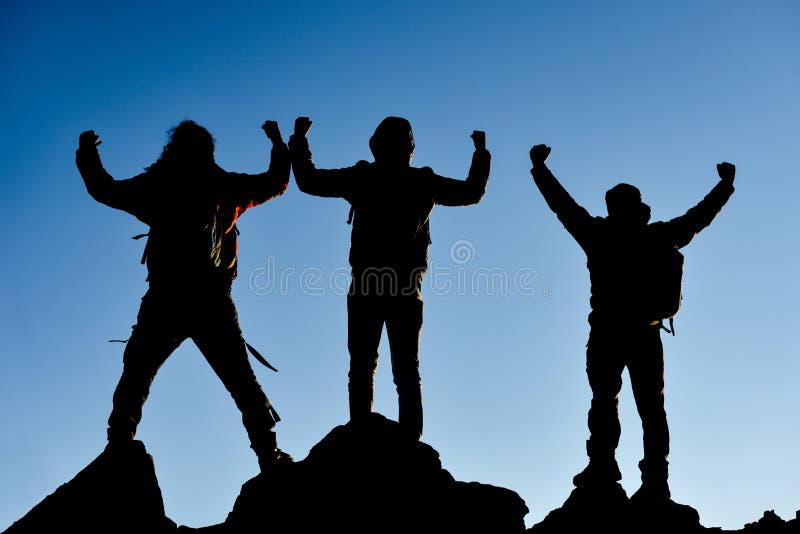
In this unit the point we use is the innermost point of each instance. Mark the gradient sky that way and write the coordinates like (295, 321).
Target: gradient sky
(654, 95)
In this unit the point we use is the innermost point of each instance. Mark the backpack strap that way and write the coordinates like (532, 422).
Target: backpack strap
(146, 245)
(257, 355)
(671, 328)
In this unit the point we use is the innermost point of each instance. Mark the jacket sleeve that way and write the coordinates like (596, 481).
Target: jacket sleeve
(681, 230)
(320, 182)
(451, 192)
(249, 190)
(128, 195)
(573, 216)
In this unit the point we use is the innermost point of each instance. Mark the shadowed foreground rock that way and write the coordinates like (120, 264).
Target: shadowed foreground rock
(117, 492)
(372, 478)
(365, 478)
(607, 509)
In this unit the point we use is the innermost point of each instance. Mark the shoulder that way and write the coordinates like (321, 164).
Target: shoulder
(658, 228)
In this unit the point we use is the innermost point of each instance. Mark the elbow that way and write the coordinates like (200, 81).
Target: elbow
(478, 192)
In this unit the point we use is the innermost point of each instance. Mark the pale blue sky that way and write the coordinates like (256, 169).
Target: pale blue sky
(652, 94)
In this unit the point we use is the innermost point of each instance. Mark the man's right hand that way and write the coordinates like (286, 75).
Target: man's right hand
(479, 139)
(539, 154)
(88, 139)
(272, 130)
(301, 126)
(726, 171)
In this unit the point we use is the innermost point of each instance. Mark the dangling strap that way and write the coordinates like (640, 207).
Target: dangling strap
(257, 355)
(274, 413)
(146, 246)
(350, 215)
(671, 328)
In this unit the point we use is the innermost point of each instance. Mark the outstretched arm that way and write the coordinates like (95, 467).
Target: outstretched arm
(573, 216)
(450, 192)
(127, 195)
(249, 190)
(318, 182)
(683, 229)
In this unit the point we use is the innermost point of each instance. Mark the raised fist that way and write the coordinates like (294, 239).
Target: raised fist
(726, 171)
(479, 138)
(301, 126)
(88, 139)
(271, 129)
(539, 154)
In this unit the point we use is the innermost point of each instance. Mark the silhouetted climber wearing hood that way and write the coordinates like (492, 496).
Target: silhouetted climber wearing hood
(391, 205)
(626, 257)
(191, 206)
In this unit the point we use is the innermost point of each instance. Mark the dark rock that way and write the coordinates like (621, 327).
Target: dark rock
(771, 523)
(117, 492)
(587, 509)
(607, 509)
(372, 477)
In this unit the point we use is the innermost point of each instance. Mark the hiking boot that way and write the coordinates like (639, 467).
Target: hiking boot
(651, 493)
(597, 473)
(655, 488)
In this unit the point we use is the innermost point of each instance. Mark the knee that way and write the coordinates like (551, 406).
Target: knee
(407, 379)
(361, 374)
(605, 403)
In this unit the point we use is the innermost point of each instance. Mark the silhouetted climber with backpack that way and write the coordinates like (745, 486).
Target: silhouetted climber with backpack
(391, 205)
(191, 206)
(635, 270)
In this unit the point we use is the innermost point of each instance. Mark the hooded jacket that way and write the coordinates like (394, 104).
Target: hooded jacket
(191, 214)
(392, 204)
(618, 255)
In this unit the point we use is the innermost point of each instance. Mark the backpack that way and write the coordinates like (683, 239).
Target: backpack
(421, 237)
(222, 248)
(663, 284)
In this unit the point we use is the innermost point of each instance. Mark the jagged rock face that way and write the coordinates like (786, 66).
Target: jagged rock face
(371, 477)
(360, 478)
(117, 492)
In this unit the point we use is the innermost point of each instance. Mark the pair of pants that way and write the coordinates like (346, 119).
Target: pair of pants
(612, 347)
(368, 309)
(208, 316)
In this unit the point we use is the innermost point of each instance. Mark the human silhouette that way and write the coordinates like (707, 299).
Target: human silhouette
(625, 256)
(191, 206)
(391, 206)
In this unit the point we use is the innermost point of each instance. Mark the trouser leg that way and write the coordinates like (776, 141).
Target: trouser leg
(219, 338)
(153, 339)
(604, 366)
(646, 368)
(403, 327)
(364, 326)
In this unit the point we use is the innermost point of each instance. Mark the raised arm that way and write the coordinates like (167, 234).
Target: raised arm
(450, 192)
(318, 182)
(127, 195)
(249, 190)
(573, 216)
(683, 229)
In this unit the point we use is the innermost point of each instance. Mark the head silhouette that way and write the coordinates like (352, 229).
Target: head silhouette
(393, 142)
(189, 146)
(624, 203)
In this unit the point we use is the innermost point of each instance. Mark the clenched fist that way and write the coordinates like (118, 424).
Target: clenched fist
(539, 154)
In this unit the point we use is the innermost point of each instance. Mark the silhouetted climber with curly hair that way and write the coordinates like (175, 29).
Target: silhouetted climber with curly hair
(391, 206)
(635, 270)
(191, 206)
